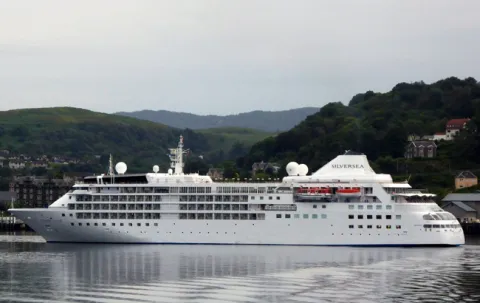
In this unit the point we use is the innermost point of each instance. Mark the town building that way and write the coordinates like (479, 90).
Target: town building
(421, 149)
(39, 192)
(439, 136)
(454, 126)
(465, 179)
(465, 207)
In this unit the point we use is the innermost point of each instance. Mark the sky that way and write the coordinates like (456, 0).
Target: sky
(226, 57)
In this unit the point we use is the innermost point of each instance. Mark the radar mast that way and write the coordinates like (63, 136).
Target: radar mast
(176, 157)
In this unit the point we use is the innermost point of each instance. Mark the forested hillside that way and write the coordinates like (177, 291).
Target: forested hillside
(267, 121)
(378, 124)
(83, 134)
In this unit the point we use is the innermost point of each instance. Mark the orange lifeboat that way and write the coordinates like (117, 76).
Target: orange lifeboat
(355, 191)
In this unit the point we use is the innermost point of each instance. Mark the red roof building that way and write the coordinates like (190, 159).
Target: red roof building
(457, 123)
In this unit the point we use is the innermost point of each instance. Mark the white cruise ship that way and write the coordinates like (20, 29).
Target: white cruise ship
(343, 203)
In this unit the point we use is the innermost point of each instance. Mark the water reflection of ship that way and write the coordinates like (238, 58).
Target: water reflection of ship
(109, 273)
(139, 264)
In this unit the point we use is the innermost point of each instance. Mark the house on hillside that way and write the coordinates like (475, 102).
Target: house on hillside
(439, 136)
(421, 149)
(264, 166)
(215, 173)
(16, 164)
(454, 126)
(465, 207)
(465, 179)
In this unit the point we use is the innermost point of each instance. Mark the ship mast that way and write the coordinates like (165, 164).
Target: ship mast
(110, 169)
(176, 157)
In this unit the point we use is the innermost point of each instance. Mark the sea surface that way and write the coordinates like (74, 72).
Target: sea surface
(34, 271)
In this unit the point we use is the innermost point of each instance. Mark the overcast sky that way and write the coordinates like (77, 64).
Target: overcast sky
(226, 57)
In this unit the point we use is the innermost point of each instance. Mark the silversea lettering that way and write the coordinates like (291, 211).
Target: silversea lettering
(347, 166)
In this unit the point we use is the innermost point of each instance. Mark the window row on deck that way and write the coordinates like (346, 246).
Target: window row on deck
(427, 226)
(378, 226)
(378, 217)
(439, 216)
(181, 216)
(180, 189)
(173, 206)
(148, 198)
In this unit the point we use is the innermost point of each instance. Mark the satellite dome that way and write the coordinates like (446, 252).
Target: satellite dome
(170, 171)
(156, 168)
(302, 169)
(292, 168)
(121, 168)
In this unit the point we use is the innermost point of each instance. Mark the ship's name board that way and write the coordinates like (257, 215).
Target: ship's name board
(347, 166)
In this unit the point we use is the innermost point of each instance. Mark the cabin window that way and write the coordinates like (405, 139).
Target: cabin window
(378, 207)
(379, 217)
(270, 198)
(252, 198)
(389, 226)
(379, 226)
(388, 217)
(71, 224)
(360, 216)
(369, 206)
(324, 216)
(279, 216)
(388, 206)
(369, 226)
(350, 226)
(314, 206)
(305, 216)
(324, 206)
(278, 198)
(360, 226)
(369, 216)
(351, 216)
(351, 207)
(287, 216)
(296, 216)
(399, 227)
(398, 217)
(314, 216)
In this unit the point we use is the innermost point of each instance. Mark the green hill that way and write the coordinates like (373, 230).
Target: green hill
(268, 121)
(80, 133)
(378, 125)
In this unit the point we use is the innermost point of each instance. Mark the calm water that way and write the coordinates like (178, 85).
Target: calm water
(33, 271)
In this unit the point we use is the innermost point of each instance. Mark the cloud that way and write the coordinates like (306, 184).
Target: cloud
(226, 56)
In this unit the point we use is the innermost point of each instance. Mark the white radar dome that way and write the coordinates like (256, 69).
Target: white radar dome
(302, 170)
(292, 168)
(156, 168)
(170, 171)
(121, 168)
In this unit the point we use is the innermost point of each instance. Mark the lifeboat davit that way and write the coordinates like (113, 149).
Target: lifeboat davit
(349, 191)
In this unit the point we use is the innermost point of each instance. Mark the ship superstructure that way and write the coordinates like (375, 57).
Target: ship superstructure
(343, 203)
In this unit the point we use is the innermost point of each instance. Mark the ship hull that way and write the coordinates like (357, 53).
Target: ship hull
(56, 225)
